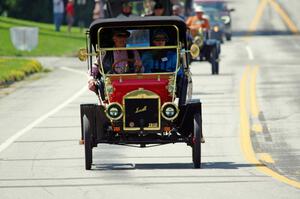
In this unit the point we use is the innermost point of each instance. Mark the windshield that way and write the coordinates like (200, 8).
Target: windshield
(216, 5)
(213, 15)
(138, 50)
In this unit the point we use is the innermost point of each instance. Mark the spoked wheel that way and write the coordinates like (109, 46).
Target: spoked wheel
(197, 141)
(87, 143)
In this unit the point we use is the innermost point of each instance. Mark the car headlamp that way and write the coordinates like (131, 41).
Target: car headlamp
(114, 111)
(198, 41)
(169, 111)
(216, 28)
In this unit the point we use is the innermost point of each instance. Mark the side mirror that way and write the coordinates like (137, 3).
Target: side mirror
(225, 19)
(82, 54)
(194, 50)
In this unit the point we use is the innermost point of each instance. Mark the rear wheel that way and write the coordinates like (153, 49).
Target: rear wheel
(214, 61)
(197, 141)
(87, 143)
(228, 36)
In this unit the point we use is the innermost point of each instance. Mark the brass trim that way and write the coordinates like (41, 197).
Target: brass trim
(122, 111)
(100, 50)
(142, 94)
(172, 118)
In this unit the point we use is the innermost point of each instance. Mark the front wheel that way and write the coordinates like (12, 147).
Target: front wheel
(197, 140)
(228, 36)
(87, 143)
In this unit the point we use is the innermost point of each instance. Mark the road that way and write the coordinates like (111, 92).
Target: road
(251, 117)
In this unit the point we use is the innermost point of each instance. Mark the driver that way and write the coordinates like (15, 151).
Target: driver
(197, 21)
(117, 61)
(122, 61)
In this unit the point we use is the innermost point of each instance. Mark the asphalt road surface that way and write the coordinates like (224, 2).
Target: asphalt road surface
(251, 122)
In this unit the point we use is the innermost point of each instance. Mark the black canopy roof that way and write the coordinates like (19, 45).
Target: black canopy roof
(137, 22)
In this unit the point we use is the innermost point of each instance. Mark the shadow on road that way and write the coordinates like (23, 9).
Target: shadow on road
(150, 166)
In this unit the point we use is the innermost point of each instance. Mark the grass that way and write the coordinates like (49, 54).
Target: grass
(12, 69)
(50, 43)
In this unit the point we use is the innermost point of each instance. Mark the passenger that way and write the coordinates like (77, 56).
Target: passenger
(197, 21)
(160, 60)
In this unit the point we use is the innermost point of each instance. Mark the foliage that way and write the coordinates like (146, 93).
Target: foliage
(42, 10)
(16, 69)
(51, 43)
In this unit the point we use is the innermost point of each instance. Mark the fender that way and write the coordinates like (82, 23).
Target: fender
(186, 116)
(98, 120)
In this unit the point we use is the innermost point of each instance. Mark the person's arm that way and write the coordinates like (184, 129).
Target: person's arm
(188, 21)
(93, 74)
(138, 62)
(206, 23)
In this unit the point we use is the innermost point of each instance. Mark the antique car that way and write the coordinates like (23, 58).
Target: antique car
(224, 11)
(217, 27)
(210, 49)
(141, 108)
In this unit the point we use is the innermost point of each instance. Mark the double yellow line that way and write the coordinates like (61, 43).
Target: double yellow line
(284, 16)
(249, 109)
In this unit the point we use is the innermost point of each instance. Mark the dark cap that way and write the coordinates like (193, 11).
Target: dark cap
(158, 6)
(160, 35)
(126, 4)
(121, 33)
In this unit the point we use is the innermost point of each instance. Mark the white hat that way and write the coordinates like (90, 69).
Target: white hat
(175, 7)
(199, 9)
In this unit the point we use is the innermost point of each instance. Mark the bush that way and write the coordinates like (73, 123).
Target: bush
(17, 69)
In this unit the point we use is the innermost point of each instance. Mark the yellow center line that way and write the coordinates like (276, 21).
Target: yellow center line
(244, 120)
(284, 16)
(266, 157)
(259, 12)
(257, 128)
(245, 138)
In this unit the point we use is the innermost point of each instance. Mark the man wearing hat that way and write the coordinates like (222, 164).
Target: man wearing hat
(197, 21)
(117, 61)
(163, 60)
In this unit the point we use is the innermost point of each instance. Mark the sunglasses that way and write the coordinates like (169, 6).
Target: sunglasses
(121, 35)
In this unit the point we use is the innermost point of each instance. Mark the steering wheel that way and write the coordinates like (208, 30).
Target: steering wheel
(122, 60)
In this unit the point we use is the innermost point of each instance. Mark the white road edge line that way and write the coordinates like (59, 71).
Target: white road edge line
(13, 138)
(250, 53)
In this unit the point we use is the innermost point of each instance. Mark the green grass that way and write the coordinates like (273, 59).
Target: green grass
(50, 43)
(12, 69)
